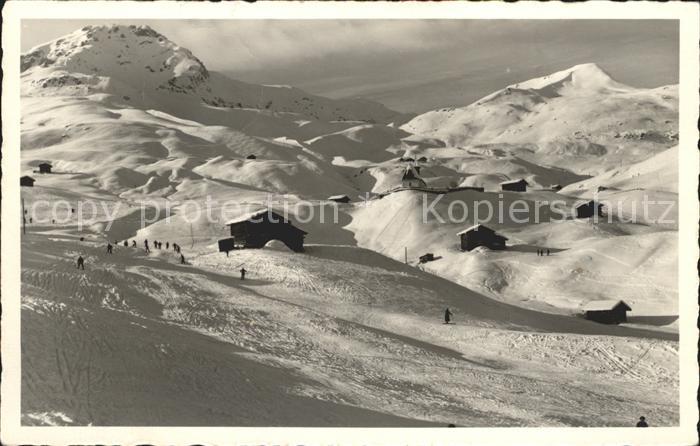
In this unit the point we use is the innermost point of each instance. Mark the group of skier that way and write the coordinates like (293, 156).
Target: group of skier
(147, 248)
(158, 245)
(541, 252)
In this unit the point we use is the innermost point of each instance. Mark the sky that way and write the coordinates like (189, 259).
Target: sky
(410, 65)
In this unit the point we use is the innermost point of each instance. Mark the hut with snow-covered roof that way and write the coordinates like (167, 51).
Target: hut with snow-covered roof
(606, 311)
(589, 209)
(410, 178)
(519, 185)
(26, 181)
(255, 229)
(480, 235)
(339, 198)
(45, 168)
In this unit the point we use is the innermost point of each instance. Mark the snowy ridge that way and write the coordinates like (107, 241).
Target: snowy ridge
(567, 118)
(137, 63)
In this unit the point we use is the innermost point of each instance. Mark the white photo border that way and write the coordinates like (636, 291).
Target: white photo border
(11, 430)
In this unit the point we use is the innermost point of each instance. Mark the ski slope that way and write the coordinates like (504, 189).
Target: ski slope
(337, 336)
(346, 334)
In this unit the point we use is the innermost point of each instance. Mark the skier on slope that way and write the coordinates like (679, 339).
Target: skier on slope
(81, 263)
(243, 271)
(642, 422)
(182, 259)
(448, 315)
(109, 248)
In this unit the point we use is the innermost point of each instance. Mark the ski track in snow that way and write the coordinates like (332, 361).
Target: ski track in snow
(349, 335)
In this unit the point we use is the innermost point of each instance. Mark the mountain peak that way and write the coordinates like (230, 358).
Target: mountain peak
(582, 78)
(132, 55)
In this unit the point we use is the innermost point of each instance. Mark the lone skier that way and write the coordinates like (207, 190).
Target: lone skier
(448, 315)
(109, 248)
(642, 422)
(81, 263)
(145, 244)
(243, 271)
(182, 259)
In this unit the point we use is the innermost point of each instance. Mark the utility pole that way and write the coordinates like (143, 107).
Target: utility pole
(191, 236)
(24, 219)
(405, 254)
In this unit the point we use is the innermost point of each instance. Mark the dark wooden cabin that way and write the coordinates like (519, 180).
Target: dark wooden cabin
(514, 185)
(606, 311)
(339, 198)
(254, 230)
(480, 235)
(26, 181)
(45, 168)
(589, 209)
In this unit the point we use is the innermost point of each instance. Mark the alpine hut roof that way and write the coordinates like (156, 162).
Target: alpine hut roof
(605, 305)
(478, 227)
(514, 181)
(588, 203)
(256, 215)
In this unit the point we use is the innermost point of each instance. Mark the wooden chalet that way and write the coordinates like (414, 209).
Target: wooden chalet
(255, 229)
(480, 235)
(514, 185)
(589, 209)
(26, 181)
(606, 311)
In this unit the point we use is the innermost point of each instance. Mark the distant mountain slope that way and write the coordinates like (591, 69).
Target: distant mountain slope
(137, 115)
(140, 65)
(658, 173)
(572, 117)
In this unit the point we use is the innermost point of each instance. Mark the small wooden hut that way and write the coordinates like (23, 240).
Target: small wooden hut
(255, 229)
(45, 168)
(606, 311)
(339, 198)
(519, 185)
(589, 209)
(26, 181)
(480, 235)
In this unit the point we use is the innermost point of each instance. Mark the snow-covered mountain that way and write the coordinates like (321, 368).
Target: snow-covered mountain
(349, 332)
(579, 117)
(142, 67)
(125, 113)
